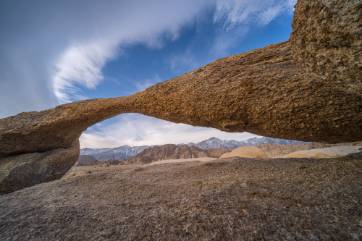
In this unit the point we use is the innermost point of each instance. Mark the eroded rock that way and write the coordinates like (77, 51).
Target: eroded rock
(327, 41)
(26, 170)
(309, 88)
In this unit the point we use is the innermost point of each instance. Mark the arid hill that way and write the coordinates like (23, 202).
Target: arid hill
(308, 88)
(270, 150)
(306, 150)
(274, 150)
(85, 160)
(166, 152)
(329, 152)
(246, 152)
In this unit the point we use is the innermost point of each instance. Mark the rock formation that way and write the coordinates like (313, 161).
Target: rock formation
(19, 171)
(309, 88)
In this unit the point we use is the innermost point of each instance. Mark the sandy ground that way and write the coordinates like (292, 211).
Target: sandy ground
(328, 152)
(325, 152)
(86, 170)
(247, 152)
(173, 161)
(230, 199)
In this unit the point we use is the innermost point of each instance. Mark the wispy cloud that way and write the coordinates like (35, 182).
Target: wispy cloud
(80, 64)
(135, 130)
(237, 17)
(184, 61)
(246, 12)
(63, 46)
(144, 84)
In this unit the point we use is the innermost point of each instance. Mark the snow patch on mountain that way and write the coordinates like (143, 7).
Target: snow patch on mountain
(125, 152)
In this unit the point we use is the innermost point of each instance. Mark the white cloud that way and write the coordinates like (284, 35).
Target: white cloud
(136, 130)
(144, 84)
(237, 16)
(80, 64)
(246, 12)
(184, 61)
(59, 47)
(126, 22)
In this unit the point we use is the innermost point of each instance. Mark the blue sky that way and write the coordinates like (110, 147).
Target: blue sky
(54, 53)
(139, 65)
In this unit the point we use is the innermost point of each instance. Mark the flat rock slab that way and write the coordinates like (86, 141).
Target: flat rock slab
(234, 199)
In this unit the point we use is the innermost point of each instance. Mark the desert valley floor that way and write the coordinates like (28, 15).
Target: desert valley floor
(230, 199)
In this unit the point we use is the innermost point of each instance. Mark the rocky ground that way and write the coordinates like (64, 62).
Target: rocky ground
(232, 199)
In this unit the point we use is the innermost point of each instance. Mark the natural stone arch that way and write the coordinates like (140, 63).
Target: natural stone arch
(309, 88)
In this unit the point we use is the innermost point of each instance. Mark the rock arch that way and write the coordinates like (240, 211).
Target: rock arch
(309, 88)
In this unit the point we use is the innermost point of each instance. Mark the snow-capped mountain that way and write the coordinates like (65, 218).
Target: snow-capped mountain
(126, 152)
(268, 140)
(93, 151)
(216, 143)
(119, 153)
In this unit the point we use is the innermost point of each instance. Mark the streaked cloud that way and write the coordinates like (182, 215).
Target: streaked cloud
(80, 64)
(144, 84)
(262, 12)
(137, 130)
(61, 47)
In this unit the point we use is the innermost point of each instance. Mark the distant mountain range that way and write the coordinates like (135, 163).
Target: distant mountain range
(126, 152)
(85, 160)
(167, 152)
(216, 143)
(118, 153)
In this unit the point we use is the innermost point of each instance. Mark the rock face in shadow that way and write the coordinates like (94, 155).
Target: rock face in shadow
(26, 170)
(309, 88)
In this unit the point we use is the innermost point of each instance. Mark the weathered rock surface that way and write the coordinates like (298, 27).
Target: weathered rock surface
(327, 42)
(235, 199)
(26, 170)
(309, 88)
